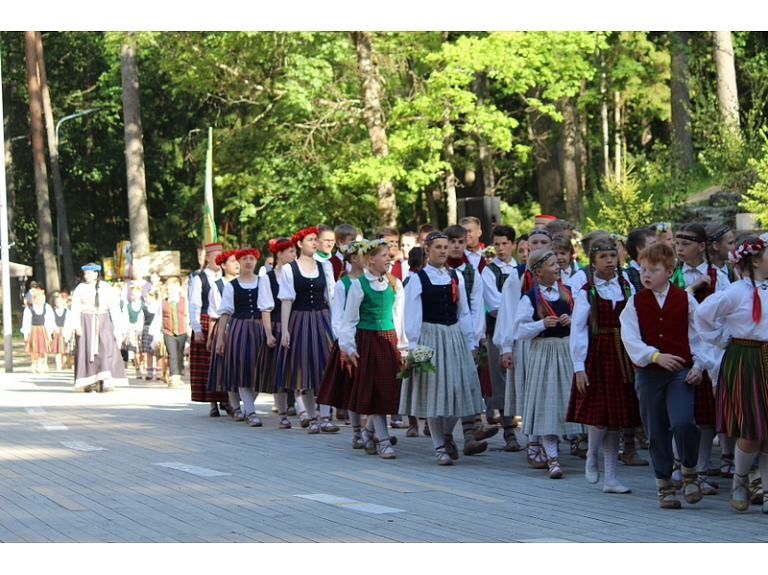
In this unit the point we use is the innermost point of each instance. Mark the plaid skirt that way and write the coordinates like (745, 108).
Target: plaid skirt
(311, 340)
(269, 359)
(245, 337)
(704, 402)
(548, 374)
(145, 342)
(454, 391)
(199, 365)
(515, 388)
(97, 357)
(611, 399)
(336, 385)
(216, 363)
(39, 340)
(375, 387)
(742, 391)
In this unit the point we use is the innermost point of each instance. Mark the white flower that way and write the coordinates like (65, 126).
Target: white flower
(422, 353)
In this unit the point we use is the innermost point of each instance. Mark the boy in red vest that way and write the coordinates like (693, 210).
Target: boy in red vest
(669, 357)
(171, 325)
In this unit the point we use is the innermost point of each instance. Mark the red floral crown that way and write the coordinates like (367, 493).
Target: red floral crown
(301, 234)
(276, 247)
(224, 256)
(248, 252)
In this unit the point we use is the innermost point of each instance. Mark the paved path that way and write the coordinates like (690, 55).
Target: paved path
(144, 464)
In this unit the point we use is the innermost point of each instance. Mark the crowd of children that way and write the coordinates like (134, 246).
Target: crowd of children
(659, 341)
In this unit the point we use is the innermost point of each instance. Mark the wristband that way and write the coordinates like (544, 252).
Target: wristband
(655, 356)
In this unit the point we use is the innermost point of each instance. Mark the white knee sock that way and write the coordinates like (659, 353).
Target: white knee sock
(550, 445)
(705, 448)
(249, 399)
(380, 426)
(325, 411)
(306, 402)
(436, 428)
(234, 399)
(727, 444)
(743, 460)
(354, 418)
(611, 456)
(762, 461)
(281, 402)
(595, 440)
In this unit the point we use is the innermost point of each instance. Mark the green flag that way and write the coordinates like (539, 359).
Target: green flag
(209, 225)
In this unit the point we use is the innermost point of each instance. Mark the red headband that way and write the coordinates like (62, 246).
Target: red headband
(301, 234)
(276, 247)
(224, 256)
(248, 252)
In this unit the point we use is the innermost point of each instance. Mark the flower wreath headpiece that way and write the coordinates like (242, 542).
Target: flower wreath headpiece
(248, 252)
(301, 234)
(276, 247)
(368, 245)
(224, 256)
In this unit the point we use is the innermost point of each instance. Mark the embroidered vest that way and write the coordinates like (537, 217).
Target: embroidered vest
(174, 323)
(205, 288)
(665, 329)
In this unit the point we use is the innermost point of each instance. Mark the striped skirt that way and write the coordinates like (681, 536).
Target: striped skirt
(742, 391)
(610, 399)
(375, 387)
(455, 389)
(199, 365)
(548, 374)
(58, 343)
(39, 340)
(245, 338)
(97, 357)
(269, 359)
(311, 340)
(336, 386)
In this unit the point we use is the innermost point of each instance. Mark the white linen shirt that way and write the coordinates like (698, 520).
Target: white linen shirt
(414, 312)
(196, 297)
(351, 316)
(728, 314)
(491, 292)
(511, 292)
(526, 327)
(477, 306)
(287, 289)
(691, 274)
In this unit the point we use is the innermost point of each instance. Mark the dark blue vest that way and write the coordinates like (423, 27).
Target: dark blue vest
(60, 319)
(310, 292)
(437, 305)
(37, 319)
(559, 307)
(245, 302)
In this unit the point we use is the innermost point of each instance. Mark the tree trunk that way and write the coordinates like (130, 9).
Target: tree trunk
(62, 229)
(604, 121)
(682, 140)
(44, 224)
(727, 92)
(548, 178)
(450, 176)
(10, 183)
(617, 136)
(138, 218)
(373, 114)
(487, 181)
(569, 159)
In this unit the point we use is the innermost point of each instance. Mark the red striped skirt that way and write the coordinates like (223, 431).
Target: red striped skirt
(199, 365)
(336, 386)
(742, 391)
(39, 341)
(375, 387)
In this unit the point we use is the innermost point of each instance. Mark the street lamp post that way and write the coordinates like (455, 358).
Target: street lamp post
(58, 190)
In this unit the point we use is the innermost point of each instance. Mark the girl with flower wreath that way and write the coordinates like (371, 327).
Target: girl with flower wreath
(272, 354)
(437, 316)
(38, 324)
(736, 319)
(305, 293)
(336, 385)
(371, 337)
(544, 319)
(602, 393)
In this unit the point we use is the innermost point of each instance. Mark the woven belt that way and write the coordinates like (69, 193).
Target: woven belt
(755, 343)
(625, 364)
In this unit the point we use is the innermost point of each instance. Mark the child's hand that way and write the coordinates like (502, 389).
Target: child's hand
(564, 320)
(551, 321)
(271, 340)
(702, 280)
(351, 358)
(506, 361)
(582, 382)
(670, 362)
(694, 376)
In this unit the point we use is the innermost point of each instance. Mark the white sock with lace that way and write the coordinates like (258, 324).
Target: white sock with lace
(611, 456)
(727, 444)
(705, 449)
(380, 426)
(354, 418)
(596, 437)
(550, 445)
(436, 428)
(306, 402)
(234, 399)
(281, 402)
(249, 400)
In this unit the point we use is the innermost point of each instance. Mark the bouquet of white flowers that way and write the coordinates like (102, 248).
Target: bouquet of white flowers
(420, 359)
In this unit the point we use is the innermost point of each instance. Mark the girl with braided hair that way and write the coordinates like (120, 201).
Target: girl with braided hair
(544, 319)
(695, 273)
(737, 319)
(602, 394)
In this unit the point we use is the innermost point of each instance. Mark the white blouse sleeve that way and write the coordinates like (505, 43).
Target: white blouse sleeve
(413, 311)
(350, 315)
(710, 316)
(337, 307)
(397, 316)
(703, 356)
(26, 321)
(579, 339)
(525, 326)
(465, 317)
(214, 302)
(491, 294)
(287, 291)
(266, 301)
(227, 300)
(50, 320)
(196, 302)
(477, 308)
(330, 282)
(504, 335)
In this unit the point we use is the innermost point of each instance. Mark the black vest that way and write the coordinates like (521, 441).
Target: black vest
(204, 290)
(245, 302)
(437, 305)
(559, 307)
(37, 319)
(60, 319)
(310, 292)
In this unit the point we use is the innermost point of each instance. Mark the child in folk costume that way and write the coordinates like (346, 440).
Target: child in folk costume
(273, 354)
(95, 319)
(199, 356)
(660, 337)
(38, 324)
(737, 319)
(336, 385)
(241, 334)
(544, 319)
(305, 293)
(603, 394)
(564, 251)
(134, 316)
(437, 316)
(149, 353)
(171, 325)
(695, 273)
(230, 267)
(371, 337)
(59, 345)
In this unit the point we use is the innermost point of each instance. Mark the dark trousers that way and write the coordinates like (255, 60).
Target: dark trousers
(666, 408)
(175, 346)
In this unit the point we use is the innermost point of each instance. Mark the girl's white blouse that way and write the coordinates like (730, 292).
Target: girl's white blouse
(727, 314)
